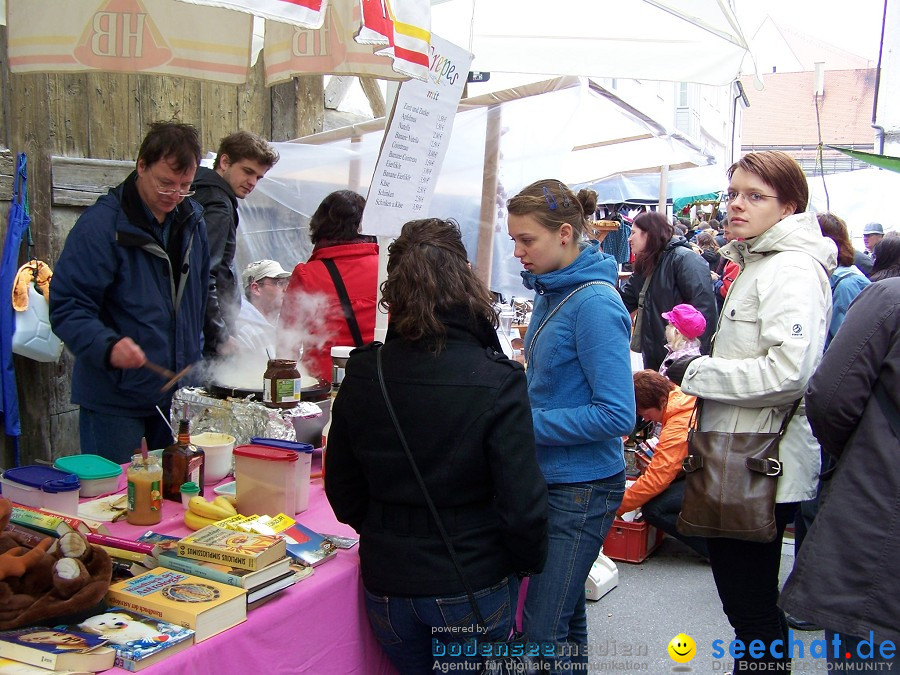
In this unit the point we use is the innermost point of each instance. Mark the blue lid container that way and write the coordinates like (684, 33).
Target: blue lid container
(43, 478)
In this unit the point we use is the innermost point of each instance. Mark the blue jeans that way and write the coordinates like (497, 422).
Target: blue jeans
(418, 632)
(117, 438)
(580, 516)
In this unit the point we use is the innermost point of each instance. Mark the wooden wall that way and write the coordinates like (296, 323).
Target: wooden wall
(105, 116)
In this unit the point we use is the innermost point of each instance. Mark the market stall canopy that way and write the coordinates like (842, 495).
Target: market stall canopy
(568, 128)
(881, 161)
(858, 197)
(643, 187)
(676, 40)
(213, 39)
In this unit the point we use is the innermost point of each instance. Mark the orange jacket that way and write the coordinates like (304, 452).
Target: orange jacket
(668, 454)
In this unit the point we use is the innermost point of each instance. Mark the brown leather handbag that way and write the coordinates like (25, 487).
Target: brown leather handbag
(730, 482)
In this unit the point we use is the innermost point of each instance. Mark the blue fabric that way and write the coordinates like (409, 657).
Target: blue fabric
(18, 224)
(117, 438)
(579, 371)
(616, 243)
(846, 284)
(579, 520)
(417, 632)
(112, 280)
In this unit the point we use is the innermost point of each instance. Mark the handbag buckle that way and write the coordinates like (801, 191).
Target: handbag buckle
(774, 467)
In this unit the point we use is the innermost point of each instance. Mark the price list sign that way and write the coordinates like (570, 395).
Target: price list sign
(416, 142)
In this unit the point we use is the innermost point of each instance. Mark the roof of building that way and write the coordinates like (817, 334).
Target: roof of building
(783, 113)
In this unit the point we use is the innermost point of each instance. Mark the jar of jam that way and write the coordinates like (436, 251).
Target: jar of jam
(281, 384)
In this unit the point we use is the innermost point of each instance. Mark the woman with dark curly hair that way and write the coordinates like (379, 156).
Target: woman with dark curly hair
(463, 408)
(667, 272)
(343, 269)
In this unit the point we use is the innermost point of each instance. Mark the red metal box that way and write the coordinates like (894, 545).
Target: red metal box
(631, 542)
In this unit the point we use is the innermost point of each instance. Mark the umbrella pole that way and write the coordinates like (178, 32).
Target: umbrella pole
(663, 186)
(488, 217)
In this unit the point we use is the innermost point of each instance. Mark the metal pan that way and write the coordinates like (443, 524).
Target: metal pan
(315, 392)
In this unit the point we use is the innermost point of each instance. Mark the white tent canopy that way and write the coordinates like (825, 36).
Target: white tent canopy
(568, 128)
(859, 197)
(644, 186)
(675, 40)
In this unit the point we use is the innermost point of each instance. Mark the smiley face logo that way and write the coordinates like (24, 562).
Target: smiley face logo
(682, 648)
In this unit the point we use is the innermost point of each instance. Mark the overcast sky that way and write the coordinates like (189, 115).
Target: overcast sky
(854, 25)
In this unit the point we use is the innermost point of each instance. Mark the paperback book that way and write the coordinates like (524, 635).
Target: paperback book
(246, 550)
(57, 649)
(270, 589)
(139, 640)
(302, 543)
(207, 607)
(10, 667)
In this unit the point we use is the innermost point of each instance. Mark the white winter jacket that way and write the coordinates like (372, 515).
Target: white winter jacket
(770, 339)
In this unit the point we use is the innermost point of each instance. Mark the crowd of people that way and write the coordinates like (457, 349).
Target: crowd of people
(524, 465)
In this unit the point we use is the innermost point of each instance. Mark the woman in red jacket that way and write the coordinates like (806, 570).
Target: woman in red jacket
(660, 490)
(330, 299)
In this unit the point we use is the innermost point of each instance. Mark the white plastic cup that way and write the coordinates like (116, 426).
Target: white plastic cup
(217, 449)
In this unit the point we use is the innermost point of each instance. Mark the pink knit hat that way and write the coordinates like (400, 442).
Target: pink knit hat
(687, 319)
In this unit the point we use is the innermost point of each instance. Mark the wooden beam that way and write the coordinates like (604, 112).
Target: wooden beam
(80, 181)
(373, 93)
(7, 171)
(337, 89)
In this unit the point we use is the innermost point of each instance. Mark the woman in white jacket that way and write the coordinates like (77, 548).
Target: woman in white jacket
(770, 338)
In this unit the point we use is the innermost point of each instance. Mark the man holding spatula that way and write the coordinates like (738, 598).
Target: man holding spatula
(129, 295)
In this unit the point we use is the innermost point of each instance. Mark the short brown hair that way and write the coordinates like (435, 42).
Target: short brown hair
(429, 275)
(338, 217)
(246, 145)
(836, 229)
(179, 143)
(651, 390)
(552, 204)
(779, 170)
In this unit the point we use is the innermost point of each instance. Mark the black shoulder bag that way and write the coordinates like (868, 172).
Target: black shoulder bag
(344, 297)
(514, 660)
(730, 482)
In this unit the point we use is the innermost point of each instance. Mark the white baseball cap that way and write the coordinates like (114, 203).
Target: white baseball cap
(263, 269)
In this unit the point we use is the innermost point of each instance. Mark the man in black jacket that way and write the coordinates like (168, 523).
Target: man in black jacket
(242, 160)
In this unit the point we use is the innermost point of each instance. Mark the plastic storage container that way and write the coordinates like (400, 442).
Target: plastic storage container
(632, 542)
(266, 480)
(96, 474)
(42, 487)
(301, 467)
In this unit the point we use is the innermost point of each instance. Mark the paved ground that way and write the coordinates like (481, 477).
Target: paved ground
(669, 593)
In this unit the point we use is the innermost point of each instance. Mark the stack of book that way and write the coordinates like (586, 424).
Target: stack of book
(131, 557)
(54, 649)
(31, 521)
(261, 584)
(207, 607)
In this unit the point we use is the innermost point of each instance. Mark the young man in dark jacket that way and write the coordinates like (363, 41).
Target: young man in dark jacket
(130, 287)
(242, 160)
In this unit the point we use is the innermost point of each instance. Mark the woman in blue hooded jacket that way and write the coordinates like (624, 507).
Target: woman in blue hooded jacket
(582, 400)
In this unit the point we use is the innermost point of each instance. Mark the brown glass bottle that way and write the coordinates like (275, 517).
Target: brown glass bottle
(182, 463)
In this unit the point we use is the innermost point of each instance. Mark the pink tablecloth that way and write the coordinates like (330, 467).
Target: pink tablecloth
(318, 626)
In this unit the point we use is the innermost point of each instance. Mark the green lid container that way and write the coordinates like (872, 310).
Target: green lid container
(88, 467)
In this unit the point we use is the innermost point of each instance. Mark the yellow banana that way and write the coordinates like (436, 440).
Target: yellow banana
(208, 509)
(225, 504)
(231, 499)
(195, 522)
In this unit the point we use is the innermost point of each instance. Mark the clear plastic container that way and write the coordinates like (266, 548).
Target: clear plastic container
(266, 480)
(42, 487)
(97, 474)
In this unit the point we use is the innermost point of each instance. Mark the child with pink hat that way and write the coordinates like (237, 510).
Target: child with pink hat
(686, 325)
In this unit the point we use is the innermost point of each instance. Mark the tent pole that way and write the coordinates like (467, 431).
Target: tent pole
(663, 186)
(484, 257)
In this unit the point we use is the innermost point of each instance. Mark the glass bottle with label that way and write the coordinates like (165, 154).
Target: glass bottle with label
(281, 384)
(145, 480)
(182, 463)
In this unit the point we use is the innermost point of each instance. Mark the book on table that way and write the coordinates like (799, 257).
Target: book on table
(307, 546)
(57, 649)
(247, 550)
(11, 667)
(207, 607)
(139, 640)
(271, 588)
(227, 574)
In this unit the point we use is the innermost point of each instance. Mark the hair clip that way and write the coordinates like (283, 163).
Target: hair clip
(551, 200)
(566, 202)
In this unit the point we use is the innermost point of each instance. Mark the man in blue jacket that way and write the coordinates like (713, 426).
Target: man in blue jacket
(130, 287)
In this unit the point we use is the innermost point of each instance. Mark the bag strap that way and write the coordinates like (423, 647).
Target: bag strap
(695, 414)
(344, 297)
(426, 494)
(557, 308)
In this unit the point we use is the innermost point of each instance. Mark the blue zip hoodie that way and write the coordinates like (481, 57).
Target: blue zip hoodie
(579, 370)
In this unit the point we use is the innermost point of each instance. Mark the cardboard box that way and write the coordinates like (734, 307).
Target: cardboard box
(632, 542)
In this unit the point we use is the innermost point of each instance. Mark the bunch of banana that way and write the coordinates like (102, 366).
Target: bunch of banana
(201, 512)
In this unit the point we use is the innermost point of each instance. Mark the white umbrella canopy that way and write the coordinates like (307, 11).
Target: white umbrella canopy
(675, 40)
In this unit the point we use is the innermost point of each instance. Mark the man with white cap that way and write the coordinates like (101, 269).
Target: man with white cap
(264, 282)
(872, 234)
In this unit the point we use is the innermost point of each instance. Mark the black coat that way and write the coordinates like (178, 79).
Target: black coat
(847, 574)
(467, 419)
(681, 276)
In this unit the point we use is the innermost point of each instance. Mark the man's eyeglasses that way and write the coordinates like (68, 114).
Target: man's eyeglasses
(170, 192)
(749, 197)
(281, 283)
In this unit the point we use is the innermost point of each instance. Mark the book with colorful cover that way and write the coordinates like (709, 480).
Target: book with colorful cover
(51, 525)
(77, 522)
(302, 543)
(25, 535)
(57, 649)
(228, 547)
(205, 606)
(139, 640)
(143, 547)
